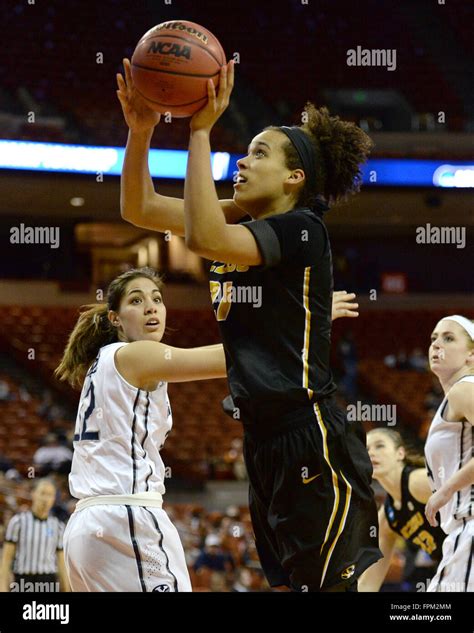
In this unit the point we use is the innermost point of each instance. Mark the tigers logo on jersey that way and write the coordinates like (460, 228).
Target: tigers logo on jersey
(348, 572)
(161, 588)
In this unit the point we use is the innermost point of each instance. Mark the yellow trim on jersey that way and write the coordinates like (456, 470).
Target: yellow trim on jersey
(307, 331)
(335, 482)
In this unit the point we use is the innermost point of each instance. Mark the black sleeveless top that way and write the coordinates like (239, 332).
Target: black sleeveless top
(276, 322)
(410, 521)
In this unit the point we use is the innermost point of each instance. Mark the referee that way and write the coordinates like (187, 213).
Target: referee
(34, 546)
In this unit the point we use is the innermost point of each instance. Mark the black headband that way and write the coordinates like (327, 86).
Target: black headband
(307, 153)
(305, 150)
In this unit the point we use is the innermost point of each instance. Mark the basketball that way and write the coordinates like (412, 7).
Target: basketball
(171, 66)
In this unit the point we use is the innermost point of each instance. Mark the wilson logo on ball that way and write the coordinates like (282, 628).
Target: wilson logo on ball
(172, 64)
(179, 26)
(166, 48)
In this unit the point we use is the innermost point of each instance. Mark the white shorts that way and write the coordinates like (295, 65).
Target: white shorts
(456, 569)
(124, 548)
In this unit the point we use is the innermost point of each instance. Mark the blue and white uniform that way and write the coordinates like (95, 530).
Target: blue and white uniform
(119, 538)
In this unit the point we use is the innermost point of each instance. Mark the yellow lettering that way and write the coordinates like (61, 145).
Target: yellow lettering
(412, 525)
(214, 287)
(425, 541)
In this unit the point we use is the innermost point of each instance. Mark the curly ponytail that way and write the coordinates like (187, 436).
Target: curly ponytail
(340, 148)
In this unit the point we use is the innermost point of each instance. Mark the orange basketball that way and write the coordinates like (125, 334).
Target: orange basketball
(171, 66)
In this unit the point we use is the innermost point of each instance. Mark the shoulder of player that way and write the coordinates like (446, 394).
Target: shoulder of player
(419, 485)
(461, 401)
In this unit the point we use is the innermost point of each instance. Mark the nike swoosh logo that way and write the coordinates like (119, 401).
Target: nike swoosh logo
(307, 481)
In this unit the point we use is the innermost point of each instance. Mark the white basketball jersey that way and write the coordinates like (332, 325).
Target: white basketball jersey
(119, 432)
(449, 446)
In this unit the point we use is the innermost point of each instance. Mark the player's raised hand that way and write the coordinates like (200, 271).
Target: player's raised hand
(138, 115)
(205, 118)
(343, 305)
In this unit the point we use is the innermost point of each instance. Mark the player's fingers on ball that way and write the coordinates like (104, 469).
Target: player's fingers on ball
(223, 80)
(121, 83)
(211, 90)
(231, 73)
(128, 71)
(211, 93)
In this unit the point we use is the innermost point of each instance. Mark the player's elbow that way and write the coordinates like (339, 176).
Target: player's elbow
(126, 213)
(195, 243)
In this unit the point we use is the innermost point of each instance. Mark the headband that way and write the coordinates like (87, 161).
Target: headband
(305, 150)
(463, 322)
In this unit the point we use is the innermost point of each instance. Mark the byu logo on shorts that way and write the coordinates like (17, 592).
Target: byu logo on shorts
(161, 588)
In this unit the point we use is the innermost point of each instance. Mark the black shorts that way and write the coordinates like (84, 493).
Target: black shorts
(311, 502)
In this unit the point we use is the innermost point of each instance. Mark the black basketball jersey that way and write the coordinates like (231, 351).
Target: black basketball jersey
(275, 319)
(410, 521)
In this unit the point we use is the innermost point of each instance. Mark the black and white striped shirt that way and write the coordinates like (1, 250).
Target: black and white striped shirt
(37, 542)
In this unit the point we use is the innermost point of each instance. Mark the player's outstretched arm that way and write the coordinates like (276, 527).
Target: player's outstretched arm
(372, 579)
(343, 305)
(142, 363)
(140, 204)
(208, 232)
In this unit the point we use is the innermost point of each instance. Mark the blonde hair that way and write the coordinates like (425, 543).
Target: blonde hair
(412, 456)
(93, 329)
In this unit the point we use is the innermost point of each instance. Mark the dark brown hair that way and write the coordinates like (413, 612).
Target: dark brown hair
(412, 456)
(93, 329)
(340, 147)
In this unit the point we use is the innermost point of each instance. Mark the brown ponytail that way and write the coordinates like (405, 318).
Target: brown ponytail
(93, 329)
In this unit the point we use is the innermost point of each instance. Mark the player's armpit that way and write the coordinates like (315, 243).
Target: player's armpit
(143, 363)
(461, 402)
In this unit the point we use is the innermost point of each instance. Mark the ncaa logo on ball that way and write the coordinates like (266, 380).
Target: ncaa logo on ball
(166, 48)
(161, 588)
(348, 572)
